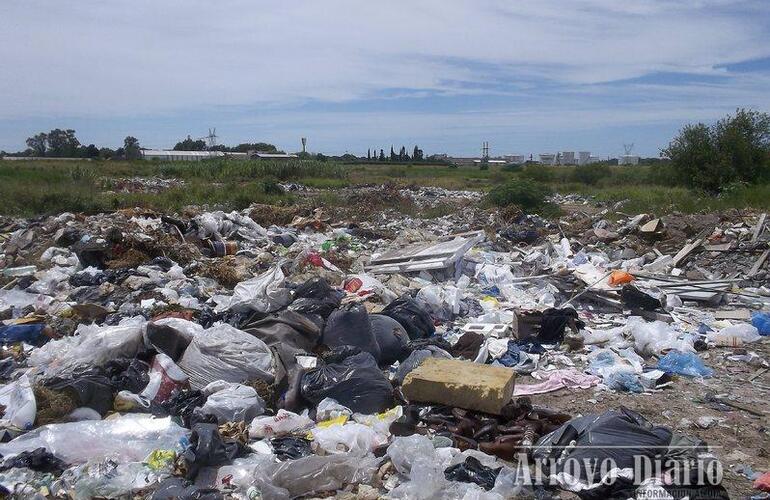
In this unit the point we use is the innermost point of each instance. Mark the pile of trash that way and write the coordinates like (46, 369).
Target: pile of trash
(208, 355)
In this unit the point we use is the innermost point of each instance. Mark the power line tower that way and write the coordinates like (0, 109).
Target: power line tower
(628, 148)
(211, 139)
(485, 150)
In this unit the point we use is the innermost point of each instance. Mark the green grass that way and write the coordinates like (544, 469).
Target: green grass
(49, 187)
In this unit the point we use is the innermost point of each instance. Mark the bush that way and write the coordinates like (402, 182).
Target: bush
(736, 148)
(525, 193)
(591, 174)
(538, 173)
(511, 167)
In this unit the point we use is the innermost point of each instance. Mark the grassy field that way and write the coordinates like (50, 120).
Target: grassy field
(49, 187)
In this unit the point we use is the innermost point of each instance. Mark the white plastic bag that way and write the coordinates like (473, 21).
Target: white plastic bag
(283, 422)
(734, 335)
(128, 438)
(657, 337)
(225, 353)
(264, 293)
(91, 346)
(19, 402)
(353, 438)
(232, 402)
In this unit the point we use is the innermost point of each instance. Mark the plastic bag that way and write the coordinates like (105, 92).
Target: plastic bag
(620, 278)
(171, 336)
(351, 438)
(416, 358)
(404, 451)
(19, 402)
(351, 327)
(656, 337)
(684, 363)
(472, 471)
(355, 381)
(207, 448)
(734, 335)
(761, 321)
(415, 320)
(226, 353)
(232, 402)
(91, 346)
(264, 293)
(391, 338)
(291, 447)
(365, 285)
(443, 301)
(313, 474)
(283, 422)
(328, 409)
(127, 438)
(166, 379)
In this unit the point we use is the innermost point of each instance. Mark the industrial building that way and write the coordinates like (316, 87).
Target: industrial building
(258, 155)
(164, 155)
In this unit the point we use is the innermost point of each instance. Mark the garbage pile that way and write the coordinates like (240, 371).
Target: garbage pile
(208, 355)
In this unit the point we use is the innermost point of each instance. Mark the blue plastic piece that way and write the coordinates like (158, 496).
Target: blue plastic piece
(684, 363)
(761, 321)
(29, 333)
(624, 381)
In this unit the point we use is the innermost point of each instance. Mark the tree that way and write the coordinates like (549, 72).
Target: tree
(131, 148)
(190, 145)
(382, 155)
(62, 143)
(91, 151)
(402, 156)
(38, 144)
(392, 154)
(736, 148)
(262, 147)
(368, 154)
(417, 154)
(106, 153)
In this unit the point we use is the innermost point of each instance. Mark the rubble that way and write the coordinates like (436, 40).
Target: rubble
(296, 351)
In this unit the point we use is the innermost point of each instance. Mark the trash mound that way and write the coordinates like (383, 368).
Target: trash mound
(282, 353)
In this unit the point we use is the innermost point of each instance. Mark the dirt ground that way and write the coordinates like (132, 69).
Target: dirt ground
(738, 437)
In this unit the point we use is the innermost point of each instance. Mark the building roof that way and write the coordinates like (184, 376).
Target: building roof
(164, 152)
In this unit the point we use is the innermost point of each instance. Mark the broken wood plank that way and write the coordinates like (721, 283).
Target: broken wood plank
(758, 264)
(685, 252)
(758, 227)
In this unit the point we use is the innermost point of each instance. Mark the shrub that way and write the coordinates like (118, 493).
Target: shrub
(590, 174)
(511, 167)
(538, 173)
(524, 193)
(736, 148)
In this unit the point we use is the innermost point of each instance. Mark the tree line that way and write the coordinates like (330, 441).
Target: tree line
(402, 155)
(63, 143)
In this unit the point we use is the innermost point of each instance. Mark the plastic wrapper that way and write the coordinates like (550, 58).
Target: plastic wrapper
(232, 402)
(282, 423)
(19, 402)
(91, 346)
(264, 293)
(355, 382)
(226, 353)
(684, 363)
(128, 438)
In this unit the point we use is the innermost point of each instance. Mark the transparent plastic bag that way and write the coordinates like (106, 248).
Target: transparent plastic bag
(351, 438)
(232, 402)
(735, 335)
(19, 402)
(264, 293)
(283, 422)
(405, 450)
(128, 438)
(684, 363)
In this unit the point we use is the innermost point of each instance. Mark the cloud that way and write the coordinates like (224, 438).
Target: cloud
(99, 60)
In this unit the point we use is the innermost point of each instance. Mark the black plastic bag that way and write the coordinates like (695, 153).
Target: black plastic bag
(88, 389)
(291, 447)
(355, 381)
(176, 488)
(183, 404)
(633, 298)
(168, 340)
(208, 448)
(472, 471)
(38, 460)
(415, 320)
(128, 374)
(316, 296)
(391, 338)
(553, 323)
(351, 326)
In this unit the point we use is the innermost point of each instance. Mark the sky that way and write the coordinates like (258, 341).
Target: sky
(528, 76)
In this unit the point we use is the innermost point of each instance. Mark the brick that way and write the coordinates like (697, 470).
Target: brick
(464, 384)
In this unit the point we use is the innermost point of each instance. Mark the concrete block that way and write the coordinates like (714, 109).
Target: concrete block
(464, 384)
